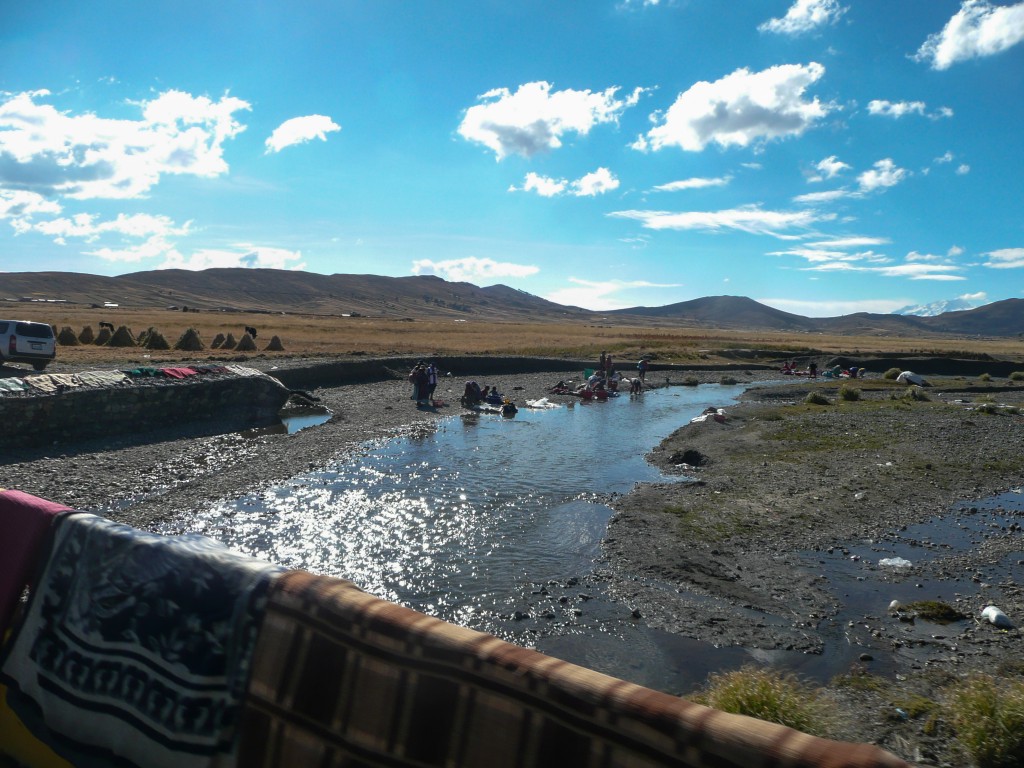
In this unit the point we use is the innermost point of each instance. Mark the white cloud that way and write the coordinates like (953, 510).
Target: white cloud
(804, 16)
(20, 205)
(738, 109)
(596, 183)
(299, 130)
(751, 219)
(963, 169)
(534, 118)
(825, 256)
(850, 242)
(245, 255)
(885, 174)
(542, 185)
(151, 248)
(895, 109)
(946, 158)
(55, 153)
(598, 295)
(813, 198)
(89, 228)
(694, 183)
(826, 308)
(472, 269)
(910, 270)
(828, 168)
(977, 29)
(590, 185)
(1005, 258)
(980, 296)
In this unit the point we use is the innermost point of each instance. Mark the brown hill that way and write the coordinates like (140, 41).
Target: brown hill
(271, 290)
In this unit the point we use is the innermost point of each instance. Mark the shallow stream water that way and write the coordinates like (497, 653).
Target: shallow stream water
(496, 524)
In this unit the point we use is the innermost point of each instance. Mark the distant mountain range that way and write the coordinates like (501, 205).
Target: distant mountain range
(269, 290)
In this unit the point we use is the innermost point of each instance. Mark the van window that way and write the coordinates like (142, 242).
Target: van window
(3, 327)
(34, 330)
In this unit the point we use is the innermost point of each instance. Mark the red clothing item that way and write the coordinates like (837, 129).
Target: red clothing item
(24, 522)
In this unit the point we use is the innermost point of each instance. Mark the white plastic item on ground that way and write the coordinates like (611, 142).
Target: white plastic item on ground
(542, 403)
(996, 617)
(894, 562)
(711, 413)
(909, 377)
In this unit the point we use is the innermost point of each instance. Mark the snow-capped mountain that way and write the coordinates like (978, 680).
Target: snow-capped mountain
(938, 307)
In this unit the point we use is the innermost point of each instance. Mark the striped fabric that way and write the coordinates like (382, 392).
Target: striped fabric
(340, 677)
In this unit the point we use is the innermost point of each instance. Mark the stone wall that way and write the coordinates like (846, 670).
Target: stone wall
(71, 415)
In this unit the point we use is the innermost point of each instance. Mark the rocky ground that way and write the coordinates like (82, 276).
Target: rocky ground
(785, 493)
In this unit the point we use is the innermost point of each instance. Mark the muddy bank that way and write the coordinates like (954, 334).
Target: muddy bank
(793, 508)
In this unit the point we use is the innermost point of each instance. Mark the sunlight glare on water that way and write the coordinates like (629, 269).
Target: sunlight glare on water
(465, 519)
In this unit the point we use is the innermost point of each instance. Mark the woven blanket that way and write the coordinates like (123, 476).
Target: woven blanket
(24, 522)
(135, 648)
(342, 678)
(101, 378)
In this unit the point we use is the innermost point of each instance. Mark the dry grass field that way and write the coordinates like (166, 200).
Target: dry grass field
(306, 335)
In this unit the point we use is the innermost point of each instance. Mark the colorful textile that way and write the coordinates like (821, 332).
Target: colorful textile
(178, 373)
(342, 678)
(24, 522)
(142, 372)
(135, 647)
(12, 385)
(101, 378)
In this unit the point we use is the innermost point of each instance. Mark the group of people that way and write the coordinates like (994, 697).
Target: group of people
(474, 395)
(423, 377)
(789, 368)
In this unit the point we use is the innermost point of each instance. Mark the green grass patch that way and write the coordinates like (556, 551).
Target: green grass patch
(768, 695)
(1017, 376)
(816, 398)
(849, 394)
(892, 373)
(987, 714)
(935, 611)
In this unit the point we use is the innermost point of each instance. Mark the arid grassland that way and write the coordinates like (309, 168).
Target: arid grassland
(312, 336)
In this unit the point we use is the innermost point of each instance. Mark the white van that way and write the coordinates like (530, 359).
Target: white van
(22, 341)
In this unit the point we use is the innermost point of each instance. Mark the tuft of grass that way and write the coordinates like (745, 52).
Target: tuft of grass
(892, 374)
(989, 408)
(985, 377)
(768, 695)
(848, 393)
(936, 611)
(987, 714)
(816, 398)
(1017, 376)
(912, 394)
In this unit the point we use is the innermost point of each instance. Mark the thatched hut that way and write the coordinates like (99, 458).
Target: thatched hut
(275, 345)
(218, 341)
(87, 336)
(103, 337)
(155, 340)
(229, 342)
(123, 337)
(67, 337)
(246, 344)
(190, 341)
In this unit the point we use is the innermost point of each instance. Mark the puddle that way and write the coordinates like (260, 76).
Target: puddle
(864, 587)
(292, 420)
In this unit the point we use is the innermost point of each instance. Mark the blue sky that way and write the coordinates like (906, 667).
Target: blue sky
(820, 156)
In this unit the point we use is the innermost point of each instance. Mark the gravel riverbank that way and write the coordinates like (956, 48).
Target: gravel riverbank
(784, 495)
